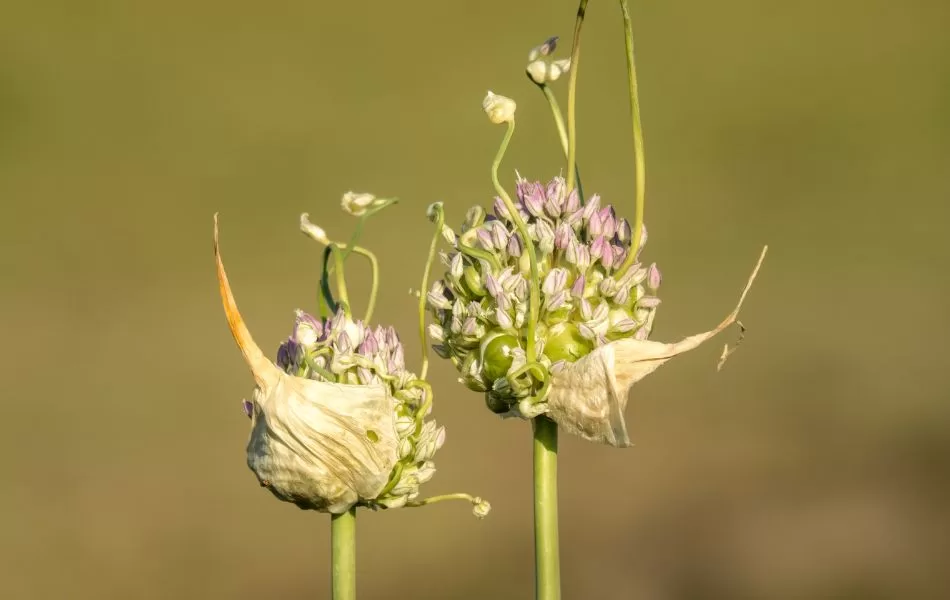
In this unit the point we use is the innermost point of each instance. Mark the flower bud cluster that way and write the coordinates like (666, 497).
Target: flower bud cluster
(340, 350)
(481, 306)
(541, 70)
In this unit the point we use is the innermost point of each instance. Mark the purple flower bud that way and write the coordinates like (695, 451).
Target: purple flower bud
(556, 301)
(337, 322)
(470, 326)
(623, 294)
(307, 329)
(595, 225)
(503, 318)
(484, 238)
(456, 266)
(648, 302)
(436, 298)
(555, 196)
(620, 254)
(586, 332)
(572, 250)
(493, 286)
(501, 210)
(608, 287)
(577, 290)
(499, 235)
(653, 277)
(592, 206)
(608, 220)
(399, 357)
(392, 338)
(520, 289)
(545, 236)
(608, 257)
(515, 245)
(623, 231)
(343, 343)
(624, 325)
(555, 281)
(369, 347)
(599, 247)
(533, 198)
(248, 408)
(287, 355)
(573, 202)
(562, 235)
(583, 257)
(586, 310)
(574, 218)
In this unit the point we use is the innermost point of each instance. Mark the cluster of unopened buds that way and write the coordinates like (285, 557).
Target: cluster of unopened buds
(340, 350)
(587, 297)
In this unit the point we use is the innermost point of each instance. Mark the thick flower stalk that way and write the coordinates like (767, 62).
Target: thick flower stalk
(586, 299)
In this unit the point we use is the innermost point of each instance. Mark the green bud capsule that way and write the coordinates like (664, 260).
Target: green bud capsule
(473, 281)
(496, 355)
(564, 342)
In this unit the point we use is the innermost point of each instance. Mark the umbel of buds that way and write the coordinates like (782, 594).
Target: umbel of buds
(595, 313)
(338, 421)
(481, 304)
(344, 352)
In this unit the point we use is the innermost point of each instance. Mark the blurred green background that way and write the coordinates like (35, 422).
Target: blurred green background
(816, 465)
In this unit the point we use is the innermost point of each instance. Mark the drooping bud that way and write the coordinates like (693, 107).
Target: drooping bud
(499, 109)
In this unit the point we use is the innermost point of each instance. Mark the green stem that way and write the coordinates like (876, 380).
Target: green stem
(439, 224)
(547, 571)
(374, 289)
(340, 278)
(534, 300)
(558, 118)
(572, 96)
(638, 158)
(562, 133)
(343, 555)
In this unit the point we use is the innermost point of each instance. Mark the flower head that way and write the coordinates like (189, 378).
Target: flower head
(586, 301)
(338, 421)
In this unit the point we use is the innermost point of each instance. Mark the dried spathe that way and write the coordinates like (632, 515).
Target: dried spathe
(588, 397)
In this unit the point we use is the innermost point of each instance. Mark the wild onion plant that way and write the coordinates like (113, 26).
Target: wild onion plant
(338, 421)
(546, 306)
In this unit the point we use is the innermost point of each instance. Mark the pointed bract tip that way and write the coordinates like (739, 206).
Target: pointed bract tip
(265, 372)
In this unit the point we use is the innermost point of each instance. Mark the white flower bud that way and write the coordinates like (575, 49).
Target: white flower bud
(313, 231)
(481, 508)
(538, 71)
(357, 204)
(558, 68)
(499, 109)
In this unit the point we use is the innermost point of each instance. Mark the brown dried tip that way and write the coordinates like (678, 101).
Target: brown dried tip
(265, 372)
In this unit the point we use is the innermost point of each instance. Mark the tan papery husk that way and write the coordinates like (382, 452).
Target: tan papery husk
(310, 440)
(588, 397)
